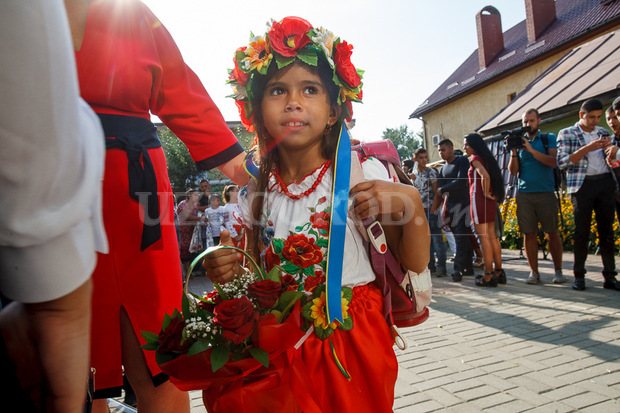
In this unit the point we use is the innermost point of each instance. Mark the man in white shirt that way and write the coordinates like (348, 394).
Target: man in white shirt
(51, 167)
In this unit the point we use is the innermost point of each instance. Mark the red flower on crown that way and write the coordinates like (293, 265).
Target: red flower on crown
(236, 73)
(289, 36)
(247, 123)
(344, 67)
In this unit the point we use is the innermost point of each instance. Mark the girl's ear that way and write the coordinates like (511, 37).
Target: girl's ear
(334, 114)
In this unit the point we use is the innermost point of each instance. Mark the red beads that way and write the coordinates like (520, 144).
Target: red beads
(307, 192)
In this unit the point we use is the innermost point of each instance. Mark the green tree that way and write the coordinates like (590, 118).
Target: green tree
(182, 170)
(405, 141)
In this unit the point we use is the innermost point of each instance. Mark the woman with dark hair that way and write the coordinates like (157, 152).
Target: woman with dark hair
(486, 189)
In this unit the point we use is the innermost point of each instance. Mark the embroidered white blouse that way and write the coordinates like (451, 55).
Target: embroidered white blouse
(294, 232)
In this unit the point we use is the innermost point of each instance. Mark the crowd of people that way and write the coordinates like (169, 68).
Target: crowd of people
(202, 218)
(90, 253)
(462, 198)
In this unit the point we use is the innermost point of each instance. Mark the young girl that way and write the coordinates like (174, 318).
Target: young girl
(486, 189)
(232, 214)
(297, 110)
(215, 216)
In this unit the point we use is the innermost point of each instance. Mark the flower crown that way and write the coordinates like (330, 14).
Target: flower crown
(293, 38)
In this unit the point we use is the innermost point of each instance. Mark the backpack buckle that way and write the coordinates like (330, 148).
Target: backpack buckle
(377, 237)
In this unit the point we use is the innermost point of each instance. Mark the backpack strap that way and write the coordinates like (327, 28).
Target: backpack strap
(545, 141)
(381, 258)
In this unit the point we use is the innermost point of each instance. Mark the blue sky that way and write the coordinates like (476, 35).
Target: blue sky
(407, 47)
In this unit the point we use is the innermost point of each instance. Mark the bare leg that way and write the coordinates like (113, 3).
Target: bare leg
(531, 250)
(487, 247)
(497, 247)
(165, 398)
(556, 250)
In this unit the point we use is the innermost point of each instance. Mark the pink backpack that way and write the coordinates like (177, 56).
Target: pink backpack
(406, 295)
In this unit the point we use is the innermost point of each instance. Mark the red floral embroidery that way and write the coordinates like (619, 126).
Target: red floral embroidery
(271, 259)
(320, 220)
(301, 251)
(313, 281)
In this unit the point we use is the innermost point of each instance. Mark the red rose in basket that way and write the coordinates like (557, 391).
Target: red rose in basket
(232, 339)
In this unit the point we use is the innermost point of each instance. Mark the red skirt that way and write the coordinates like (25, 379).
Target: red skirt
(146, 283)
(366, 352)
(311, 381)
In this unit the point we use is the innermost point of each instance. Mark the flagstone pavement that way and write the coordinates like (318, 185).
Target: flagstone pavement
(515, 348)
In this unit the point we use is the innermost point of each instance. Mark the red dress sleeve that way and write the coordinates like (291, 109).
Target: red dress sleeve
(130, 65)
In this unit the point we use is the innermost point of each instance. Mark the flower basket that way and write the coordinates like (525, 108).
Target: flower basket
(248, 364)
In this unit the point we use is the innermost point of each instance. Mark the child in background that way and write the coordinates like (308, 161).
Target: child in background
(300, 82)
(232, 214)
(215, 215)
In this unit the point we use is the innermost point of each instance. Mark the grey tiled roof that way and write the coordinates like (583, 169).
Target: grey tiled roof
(575, 19)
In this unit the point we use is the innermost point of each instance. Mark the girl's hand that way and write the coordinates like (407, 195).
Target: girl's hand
(223, 265)
(374, 198)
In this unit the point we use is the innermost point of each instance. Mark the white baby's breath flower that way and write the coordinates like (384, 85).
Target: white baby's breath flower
(325, 39)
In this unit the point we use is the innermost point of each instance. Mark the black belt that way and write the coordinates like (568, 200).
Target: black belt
(134, 136)
(599, 176)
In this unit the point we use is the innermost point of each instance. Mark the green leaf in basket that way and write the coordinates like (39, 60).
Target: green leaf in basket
(199, 346)
(185, 305)
(150, 346)
(287, 301)
(219, 357)
(260, 355)
(150, 337)
(166, 321)
(221, 292)
(274, 274)
(164, 358)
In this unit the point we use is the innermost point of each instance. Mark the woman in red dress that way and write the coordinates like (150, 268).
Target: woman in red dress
(486, 189)
(129, 67)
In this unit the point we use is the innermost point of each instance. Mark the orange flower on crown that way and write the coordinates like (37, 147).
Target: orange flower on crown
(289, 36)
(258, 55)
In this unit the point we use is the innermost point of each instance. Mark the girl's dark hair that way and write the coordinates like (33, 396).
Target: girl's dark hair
(481, 149)
(226, 192)
(267, 155)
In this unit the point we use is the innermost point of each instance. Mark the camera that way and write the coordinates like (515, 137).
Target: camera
(513, 139)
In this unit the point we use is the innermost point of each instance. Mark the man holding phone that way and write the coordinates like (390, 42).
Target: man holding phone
(589, 181)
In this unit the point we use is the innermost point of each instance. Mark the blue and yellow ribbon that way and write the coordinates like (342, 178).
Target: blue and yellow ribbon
(337, 227)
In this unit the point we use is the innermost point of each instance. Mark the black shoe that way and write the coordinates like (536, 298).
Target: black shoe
(612, 284)
(482, 282)
(468, 271)
(501, 276)
(457, 276)
(579, 284)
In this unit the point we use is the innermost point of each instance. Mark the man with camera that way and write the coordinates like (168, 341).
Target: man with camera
(533, 161)
(591, 184)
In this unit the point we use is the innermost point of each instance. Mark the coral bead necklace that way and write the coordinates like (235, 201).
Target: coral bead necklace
(308, 191)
